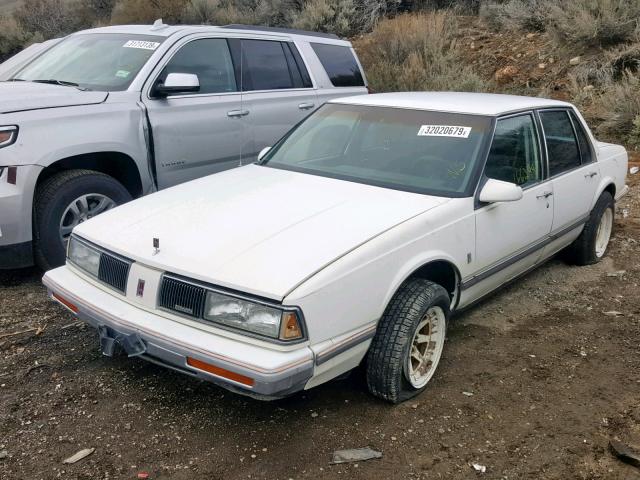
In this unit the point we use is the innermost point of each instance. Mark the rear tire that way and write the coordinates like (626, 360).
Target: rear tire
(591, 246)
(413, 327)
(56, 197)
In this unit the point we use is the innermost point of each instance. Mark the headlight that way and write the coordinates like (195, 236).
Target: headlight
(8, 135)
(83, 256)
(252, 317)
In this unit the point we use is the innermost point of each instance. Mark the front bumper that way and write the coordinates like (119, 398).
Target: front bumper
(16, 204)
(275, 373)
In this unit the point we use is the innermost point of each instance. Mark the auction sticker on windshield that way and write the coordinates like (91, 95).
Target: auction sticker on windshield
(444, 131)
(141, 44)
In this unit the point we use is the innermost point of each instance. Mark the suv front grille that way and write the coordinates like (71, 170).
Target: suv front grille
(113, 271)
(182, 297)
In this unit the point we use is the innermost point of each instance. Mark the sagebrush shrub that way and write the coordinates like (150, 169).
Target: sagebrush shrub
(528, 15)
(618, 108)
(12, 37)
(575, 23)
(335, 16)
(417, 52)
(595, 23)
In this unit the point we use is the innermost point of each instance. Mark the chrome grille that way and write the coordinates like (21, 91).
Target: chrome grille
(113, 271)
(182, 297)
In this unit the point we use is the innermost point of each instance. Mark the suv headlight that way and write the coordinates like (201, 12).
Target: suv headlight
(253, 317)
(84, 256)
(8, 135)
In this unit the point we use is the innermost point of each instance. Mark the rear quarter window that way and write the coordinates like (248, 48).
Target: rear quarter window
(340, 64)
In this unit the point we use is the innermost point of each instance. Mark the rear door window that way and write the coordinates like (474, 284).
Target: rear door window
(265, 66)
(562, 147)
(340, 64)
(583, 141)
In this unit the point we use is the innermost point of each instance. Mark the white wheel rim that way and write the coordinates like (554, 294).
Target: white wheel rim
(604, 232)
(426, 347)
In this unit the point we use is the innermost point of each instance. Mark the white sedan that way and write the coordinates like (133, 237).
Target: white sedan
(349, 243)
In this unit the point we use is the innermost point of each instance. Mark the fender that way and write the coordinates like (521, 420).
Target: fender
(605, 182)
(417, 263)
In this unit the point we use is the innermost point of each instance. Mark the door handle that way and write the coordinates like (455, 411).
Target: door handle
(306, 105)
(591, 174)
(544, 195)
(237, 113)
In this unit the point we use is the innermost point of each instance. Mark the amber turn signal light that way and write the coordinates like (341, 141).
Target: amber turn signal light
(220, 372)
(64, 302)
(290, 328)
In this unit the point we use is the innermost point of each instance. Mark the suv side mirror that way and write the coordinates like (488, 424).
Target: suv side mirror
(178, 83)
(499, 191)
(263, 152)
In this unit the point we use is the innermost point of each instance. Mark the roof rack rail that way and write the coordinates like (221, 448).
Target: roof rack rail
(282, 30)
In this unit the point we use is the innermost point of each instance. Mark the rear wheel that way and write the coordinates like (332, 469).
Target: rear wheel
(66, 200)
(408, 344)
(592, 243)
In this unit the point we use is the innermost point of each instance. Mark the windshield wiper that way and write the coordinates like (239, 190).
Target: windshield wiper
(64, 83)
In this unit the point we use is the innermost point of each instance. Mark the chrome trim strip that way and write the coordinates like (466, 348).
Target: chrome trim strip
(345, 345)
(502, 264)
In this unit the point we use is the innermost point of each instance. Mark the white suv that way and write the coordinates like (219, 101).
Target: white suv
(352, 240)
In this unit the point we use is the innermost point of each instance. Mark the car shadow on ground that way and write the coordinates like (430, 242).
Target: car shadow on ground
(13, 278)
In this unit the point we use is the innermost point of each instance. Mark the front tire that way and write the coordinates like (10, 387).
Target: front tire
(65, 200)
(591, 246)
(407, 347)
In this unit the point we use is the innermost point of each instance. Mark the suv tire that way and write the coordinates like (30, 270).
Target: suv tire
(56, 196)
(591, 246)
(414, 322)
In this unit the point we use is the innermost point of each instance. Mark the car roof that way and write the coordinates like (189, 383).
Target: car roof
(490, 104)
(163, 30)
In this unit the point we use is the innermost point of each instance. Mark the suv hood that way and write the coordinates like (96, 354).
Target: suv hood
(254, 229)
(23, 96)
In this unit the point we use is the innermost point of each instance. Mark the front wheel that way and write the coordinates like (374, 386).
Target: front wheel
(408, 344)
(65, 200)
(592, 243)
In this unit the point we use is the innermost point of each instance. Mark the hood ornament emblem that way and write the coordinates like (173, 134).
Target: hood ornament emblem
(156, 246)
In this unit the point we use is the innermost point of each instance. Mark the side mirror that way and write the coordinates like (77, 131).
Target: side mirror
(263, 152)
(499, 191)
(178, 83)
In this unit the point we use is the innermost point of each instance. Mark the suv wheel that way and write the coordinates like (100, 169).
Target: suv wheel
(407, 347)
(66, 200)
(592, 243)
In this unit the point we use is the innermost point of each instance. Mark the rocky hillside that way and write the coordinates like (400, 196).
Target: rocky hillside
(443, 51)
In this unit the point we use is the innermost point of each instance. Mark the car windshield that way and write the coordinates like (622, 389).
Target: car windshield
(97, 61)
(413, 150)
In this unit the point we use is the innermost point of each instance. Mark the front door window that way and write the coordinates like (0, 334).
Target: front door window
(514, 156)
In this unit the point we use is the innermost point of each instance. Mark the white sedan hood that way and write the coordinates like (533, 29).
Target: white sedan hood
(254, 229)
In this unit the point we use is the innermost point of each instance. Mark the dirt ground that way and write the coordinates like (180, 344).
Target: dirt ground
(533, 384)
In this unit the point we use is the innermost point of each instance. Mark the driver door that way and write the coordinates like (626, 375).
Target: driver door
(197, 134)
(510, 236)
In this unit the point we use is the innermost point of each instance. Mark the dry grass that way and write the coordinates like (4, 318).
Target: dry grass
(417, 52)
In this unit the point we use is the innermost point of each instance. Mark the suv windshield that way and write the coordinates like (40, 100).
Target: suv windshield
(419, 151)
(95, 61)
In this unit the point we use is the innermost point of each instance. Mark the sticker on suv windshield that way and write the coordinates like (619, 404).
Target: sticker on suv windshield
(444, 131)
(141, 44)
